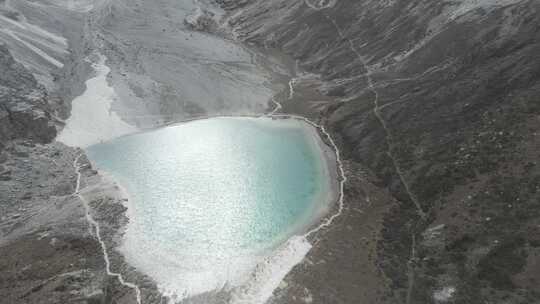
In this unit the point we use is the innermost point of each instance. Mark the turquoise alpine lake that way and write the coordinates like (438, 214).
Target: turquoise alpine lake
(208, 196)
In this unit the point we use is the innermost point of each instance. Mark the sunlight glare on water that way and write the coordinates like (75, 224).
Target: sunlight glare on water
(207, 197)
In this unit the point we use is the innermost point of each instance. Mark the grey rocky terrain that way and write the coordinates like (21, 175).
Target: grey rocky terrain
(48, 254)
(434, 105)
(25, 107)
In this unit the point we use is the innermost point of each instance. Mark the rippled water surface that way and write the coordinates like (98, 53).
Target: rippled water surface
(208, 196)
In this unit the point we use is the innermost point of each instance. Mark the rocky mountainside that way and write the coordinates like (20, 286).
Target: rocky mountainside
(437, 102)
(48, 254)
(25, 111)
(434, 105)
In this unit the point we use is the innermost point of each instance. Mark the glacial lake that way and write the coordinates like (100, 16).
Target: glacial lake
(208, 198)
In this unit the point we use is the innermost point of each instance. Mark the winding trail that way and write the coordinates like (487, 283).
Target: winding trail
(292, 82)
(377, 113)
(342, 180)
(389, 140)
(276, 109)
(93, 224)
(342, 177)
(410, 270)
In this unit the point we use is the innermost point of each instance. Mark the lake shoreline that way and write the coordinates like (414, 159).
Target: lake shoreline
(324, 204)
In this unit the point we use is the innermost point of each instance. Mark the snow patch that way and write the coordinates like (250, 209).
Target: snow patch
(77, 5)
(80, 6)
(269, 274)
(465, 6)
(444, 294)
(320, 4)
(252, 281)
(92, 120)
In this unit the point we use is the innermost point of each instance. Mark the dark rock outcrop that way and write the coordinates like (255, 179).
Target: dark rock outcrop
(24, 107)
(201, 20)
